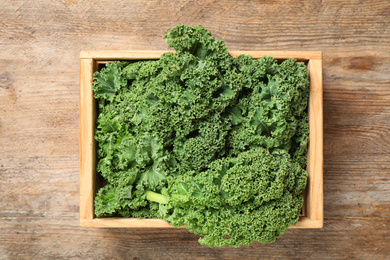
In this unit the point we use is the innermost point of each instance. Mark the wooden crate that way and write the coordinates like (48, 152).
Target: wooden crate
(312, 213)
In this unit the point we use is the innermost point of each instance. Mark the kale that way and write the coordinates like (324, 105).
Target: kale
(202, 139)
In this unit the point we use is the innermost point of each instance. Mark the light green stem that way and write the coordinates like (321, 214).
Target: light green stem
(156, 197)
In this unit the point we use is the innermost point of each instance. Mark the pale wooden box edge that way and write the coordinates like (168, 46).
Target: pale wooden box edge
(88, 64)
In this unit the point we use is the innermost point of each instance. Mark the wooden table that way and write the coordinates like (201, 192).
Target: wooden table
(40, 43)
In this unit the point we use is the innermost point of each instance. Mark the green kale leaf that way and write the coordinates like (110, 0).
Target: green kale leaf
(202, 139)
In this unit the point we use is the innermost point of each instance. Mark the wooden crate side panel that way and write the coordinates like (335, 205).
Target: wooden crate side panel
(314, 195)
(304, 222)
(102, 55)
(144, 55)
(87, 143)
(125, 223)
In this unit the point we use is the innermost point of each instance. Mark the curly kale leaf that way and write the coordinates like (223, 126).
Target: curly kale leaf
(271, 112)
(202, 139)
(253, 197)
(109, 81)
(198, 42)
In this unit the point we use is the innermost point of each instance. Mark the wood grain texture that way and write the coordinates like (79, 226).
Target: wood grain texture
(40, 42)
(87, 141)
(315, 158)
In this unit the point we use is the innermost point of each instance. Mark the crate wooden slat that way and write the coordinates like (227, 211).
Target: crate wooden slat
(103, 55)
(87, 142)
(312, 213)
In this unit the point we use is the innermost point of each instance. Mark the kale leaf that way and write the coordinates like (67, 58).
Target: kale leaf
(202, 139)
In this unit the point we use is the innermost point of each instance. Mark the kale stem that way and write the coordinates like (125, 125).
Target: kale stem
(156, 197)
